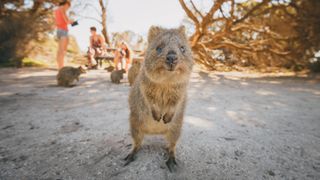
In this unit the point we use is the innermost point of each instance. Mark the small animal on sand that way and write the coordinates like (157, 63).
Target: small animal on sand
(67, 75)
(158, 96)
(134, 71)
(117, 75)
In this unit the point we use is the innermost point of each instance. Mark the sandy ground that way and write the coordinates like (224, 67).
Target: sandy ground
(237, 126)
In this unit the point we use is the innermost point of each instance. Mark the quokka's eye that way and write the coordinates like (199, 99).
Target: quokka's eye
(183, 49)
(159, 49)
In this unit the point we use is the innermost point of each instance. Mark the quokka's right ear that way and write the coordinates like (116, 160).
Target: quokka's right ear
(153, 32)
(182, 29)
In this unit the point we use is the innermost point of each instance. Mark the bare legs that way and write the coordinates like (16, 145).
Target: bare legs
(91, 60)
(62, 48)
(119, 59)
(126, 62)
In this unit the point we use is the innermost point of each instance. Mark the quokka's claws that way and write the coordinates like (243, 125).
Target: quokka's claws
(155, 115)
(171, 164)
(129, 158)
(167, 118)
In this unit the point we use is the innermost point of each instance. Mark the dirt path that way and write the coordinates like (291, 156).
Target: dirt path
(236, 127)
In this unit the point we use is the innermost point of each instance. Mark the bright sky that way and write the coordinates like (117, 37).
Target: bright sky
(137, 16)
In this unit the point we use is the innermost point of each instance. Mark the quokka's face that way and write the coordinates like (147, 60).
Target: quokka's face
(168, 57)
(121, 72)
(81, 70)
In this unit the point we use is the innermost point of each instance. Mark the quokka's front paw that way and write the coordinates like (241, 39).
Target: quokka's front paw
(167, 118)
(156, 116)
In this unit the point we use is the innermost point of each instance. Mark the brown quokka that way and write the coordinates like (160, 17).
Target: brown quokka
(117, 75)
(134, 71)
(158, 97)
(67, 75)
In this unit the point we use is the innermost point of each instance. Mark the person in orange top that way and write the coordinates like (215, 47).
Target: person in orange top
(62, 21)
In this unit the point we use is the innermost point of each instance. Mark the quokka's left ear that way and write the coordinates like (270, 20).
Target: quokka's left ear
(153, 32)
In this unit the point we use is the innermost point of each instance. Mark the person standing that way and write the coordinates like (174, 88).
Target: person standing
(62, 21)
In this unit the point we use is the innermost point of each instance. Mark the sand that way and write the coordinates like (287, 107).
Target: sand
(237, 126)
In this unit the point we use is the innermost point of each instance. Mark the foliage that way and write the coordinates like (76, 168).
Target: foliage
(28, 62)
(25, 62)
(265, 33)
(21, 22)
(136, 41)
(314, 66)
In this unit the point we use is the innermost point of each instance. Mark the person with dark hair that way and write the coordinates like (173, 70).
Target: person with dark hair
(93, 29)
(62, 21)
(96, 48)
(63, 2)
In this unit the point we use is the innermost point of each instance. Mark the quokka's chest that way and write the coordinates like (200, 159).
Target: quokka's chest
(164, 96)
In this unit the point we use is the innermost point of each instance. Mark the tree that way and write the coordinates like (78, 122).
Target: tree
(83, 7)
(264, 33)
(20, 23)
(135, 41)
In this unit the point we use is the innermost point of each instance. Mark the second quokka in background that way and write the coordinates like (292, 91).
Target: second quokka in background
(117, 75)
(68, 75)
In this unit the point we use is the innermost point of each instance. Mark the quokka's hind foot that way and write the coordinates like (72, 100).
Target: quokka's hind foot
(129, 158)
(172, 164)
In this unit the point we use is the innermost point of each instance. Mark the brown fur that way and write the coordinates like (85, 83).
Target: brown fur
(134, 71)
(158, 97)
(116, 76)
(67, 75)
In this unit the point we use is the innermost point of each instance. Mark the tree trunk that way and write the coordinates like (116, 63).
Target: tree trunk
(104, 21)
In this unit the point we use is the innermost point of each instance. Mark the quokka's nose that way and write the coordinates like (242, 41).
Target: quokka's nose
(171, 57)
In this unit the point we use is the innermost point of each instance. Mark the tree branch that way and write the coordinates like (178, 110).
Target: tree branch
(92, 18)
(189, 13)
(216, 6)
(251, 12)
(92, 6)
(196, 9)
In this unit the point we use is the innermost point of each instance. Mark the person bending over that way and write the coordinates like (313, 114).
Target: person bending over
(123, 56)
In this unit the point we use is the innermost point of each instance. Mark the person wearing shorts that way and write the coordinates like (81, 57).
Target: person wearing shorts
(97, 47)
(62, 22)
